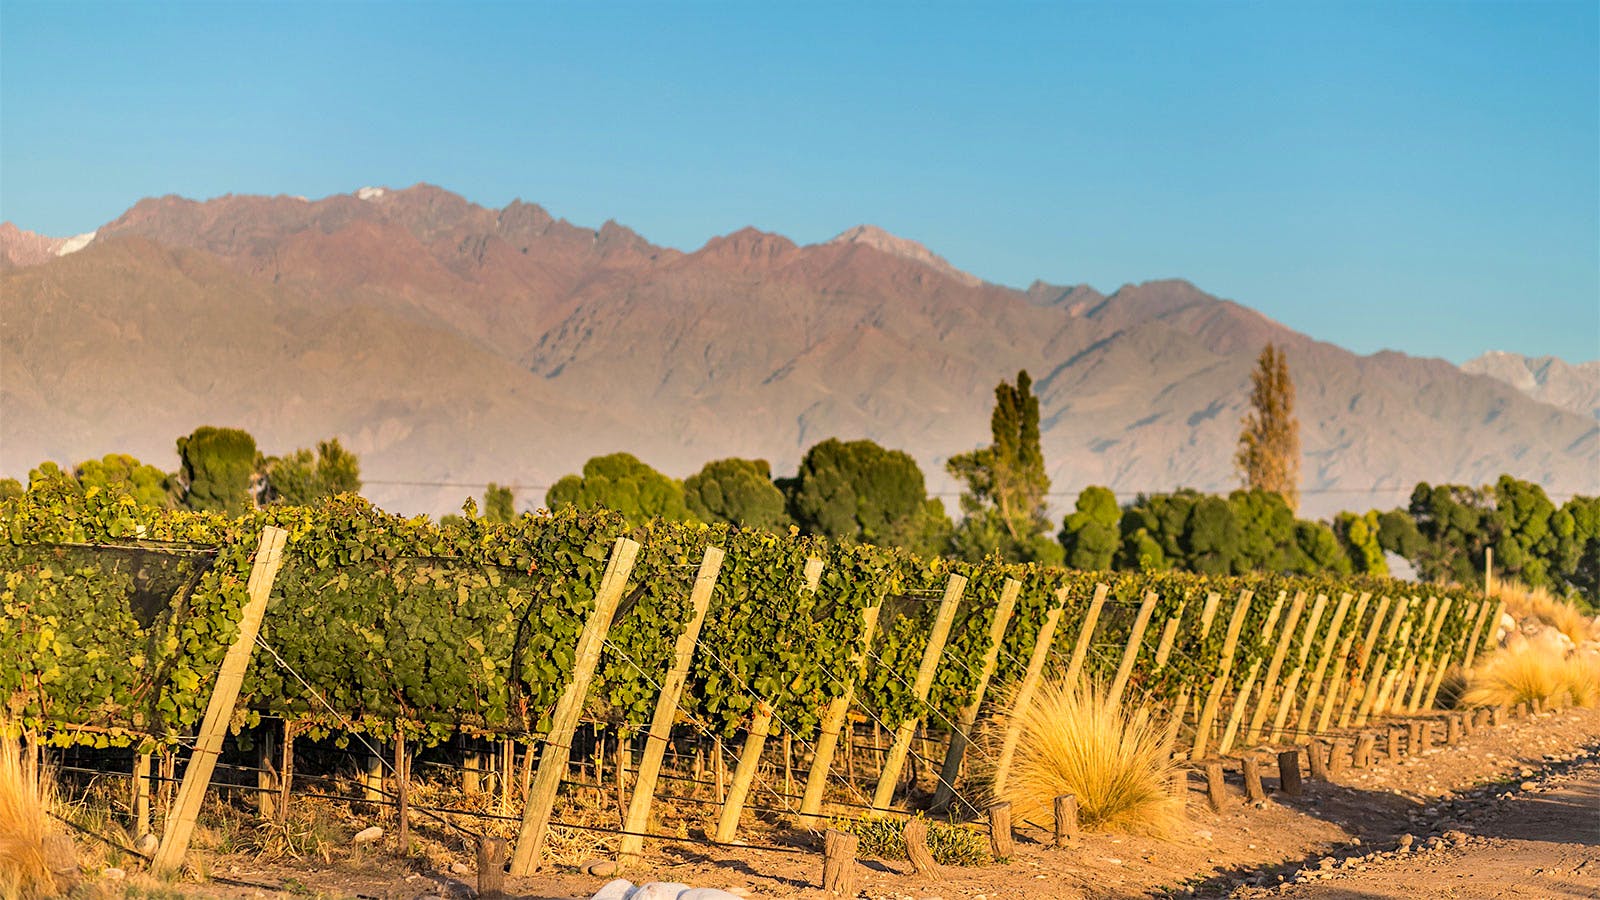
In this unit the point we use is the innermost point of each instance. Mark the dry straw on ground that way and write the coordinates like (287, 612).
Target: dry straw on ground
(1551, 657)
(33, 851)
(1112, 757)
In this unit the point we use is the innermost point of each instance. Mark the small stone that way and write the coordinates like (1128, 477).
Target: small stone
(460, 868)
(1111, 860)
(1526, 786)
(114, 874)
(1406, 840)
(1457, 838)
(368, 835)
(146, 844)
(599, 867)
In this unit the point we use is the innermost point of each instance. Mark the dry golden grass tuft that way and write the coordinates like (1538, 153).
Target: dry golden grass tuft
(1523, 602)
(33, 850)
(1111, 757)
(1530, 671)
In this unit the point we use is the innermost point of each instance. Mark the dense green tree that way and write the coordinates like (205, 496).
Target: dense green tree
(1003, 507)
(621, 482)
(1212, 538)
(10, 489)
(1579, 547)
(1269, 442)
(499, 503)
(739, 492)
(1318, 550)
(1266, 531)
(218, 465)
(1453, 521)
(1090, 536)
(859, 491)
(122, 474)
(1525, 544)
(1398, 534)
(1359, 536)
(302, 478)
(1153, 531)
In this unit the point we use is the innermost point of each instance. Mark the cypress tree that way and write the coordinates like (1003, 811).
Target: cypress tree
(1269, 445)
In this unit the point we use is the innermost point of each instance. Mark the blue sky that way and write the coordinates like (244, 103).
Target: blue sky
(1420, 177)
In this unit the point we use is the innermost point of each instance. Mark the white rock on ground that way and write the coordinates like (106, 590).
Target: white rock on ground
(622, 889)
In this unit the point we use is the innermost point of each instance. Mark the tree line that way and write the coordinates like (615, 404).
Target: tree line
(860, 491)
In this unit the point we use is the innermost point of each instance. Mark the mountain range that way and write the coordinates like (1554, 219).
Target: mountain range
(451, 344)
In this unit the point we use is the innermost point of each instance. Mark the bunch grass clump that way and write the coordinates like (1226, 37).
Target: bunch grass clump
(32, 848)
(1112, 757)
(1528, 673)
(1523, 602)
(950, 845)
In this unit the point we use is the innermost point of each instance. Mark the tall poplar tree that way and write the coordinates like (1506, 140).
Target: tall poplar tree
(1269, 446)
(1004, 504)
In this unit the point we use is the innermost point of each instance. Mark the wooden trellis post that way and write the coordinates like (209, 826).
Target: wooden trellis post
(1208, 614)
(219, 711)
(1341, 659)
(1080, 649)
(556, 753)
(1230, 647)
(1242, 698)
(1274, 668)
(1382, 704)
(1030, 683)
(1358, 682)
(833, 721)
(1286, 701)
(1477, 632)
(755, 738)
(1428, 656)
(1308, 709)
(1408, 669)
(896, 757)
(1130, 653)
(655, 746)
(1380, 669)
(1442, 665)
(962, 734)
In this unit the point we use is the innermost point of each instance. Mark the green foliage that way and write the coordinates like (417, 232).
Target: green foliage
(302, 479)
(1360, 536)
(1398, 534)
(622, 483)
(10, 489)
(1319, 550)
(122, 474)
(738, 492)
(859, 491)
(499, 504)
(1003, 507)
(949, 844)
(1266, 532)
(217, 467)
(1090, 535)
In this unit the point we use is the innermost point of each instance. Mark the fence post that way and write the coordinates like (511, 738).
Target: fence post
(1230, 647)
(219, 711)
(833, 723)
(1341, 660)
(1130, 653)
(839, 862)
(1286, 700)
(755, 738)
(1429, 656)
(1289, 772)
(1030, 683)
(962, 735)
(1066, 819)
(1275, 668)
(1000, 840)
(1085, 633)
(1242, 698)
(1358, 682)
(896, 757)
(655, 746)
(556, 753)
(1442, 665)
(1380, 669)
(141, 795)
(1308, 710)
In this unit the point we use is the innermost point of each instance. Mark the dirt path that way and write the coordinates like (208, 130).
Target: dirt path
(1542, 841)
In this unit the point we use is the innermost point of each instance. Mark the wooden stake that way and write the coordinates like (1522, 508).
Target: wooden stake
(1085, 632)
(1358, 683)
(372, 780)
(491, 868)
(755, 738)
(1428, 657)
(1274, 668)
(1382, 670)
(1317, 756)
(266, 772)
(1030, 683)
(1251, 766)
(915, 835)
(896, 757)
(1452, 734)
(470, 764)
(286, 770)
(1308, 710)
(1396, 749)
(1478, 619)
(1289, 772)
(1362, 757)
(556, 754)
(1230, 648)
(1000, 842)
(655, 746)
(962, 735)
(1216, 791)
(1341, 658)
(1066, 819)
(219, 711)
(141, 795)
(1169, 636)
(1207, 614)
(839, 862)
(402, 794)
(1130, 653)
(1242, 697)
(1286, 701)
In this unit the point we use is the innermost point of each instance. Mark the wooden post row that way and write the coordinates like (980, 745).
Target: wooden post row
(1241, 698)
(1208, 614)
(1429, 657)
(1308, 710)
(1286, 701)
(833, 721)
(755, 738)
(1358, 680)
(1275, 668)
(1130, 653)
(556, 753)
(1030, 683)
(1380, 669)
(655, 746)
(895, 759)
(1230, 648)
(962, 735)
(219, 710)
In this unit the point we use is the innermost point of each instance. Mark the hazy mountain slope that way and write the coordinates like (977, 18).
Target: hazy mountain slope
(452, 343)
(1573, 387)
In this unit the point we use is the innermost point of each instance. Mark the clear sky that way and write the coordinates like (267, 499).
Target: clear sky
(1421, 177)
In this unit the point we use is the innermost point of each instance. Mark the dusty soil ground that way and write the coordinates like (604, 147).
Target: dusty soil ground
(1541, 842)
